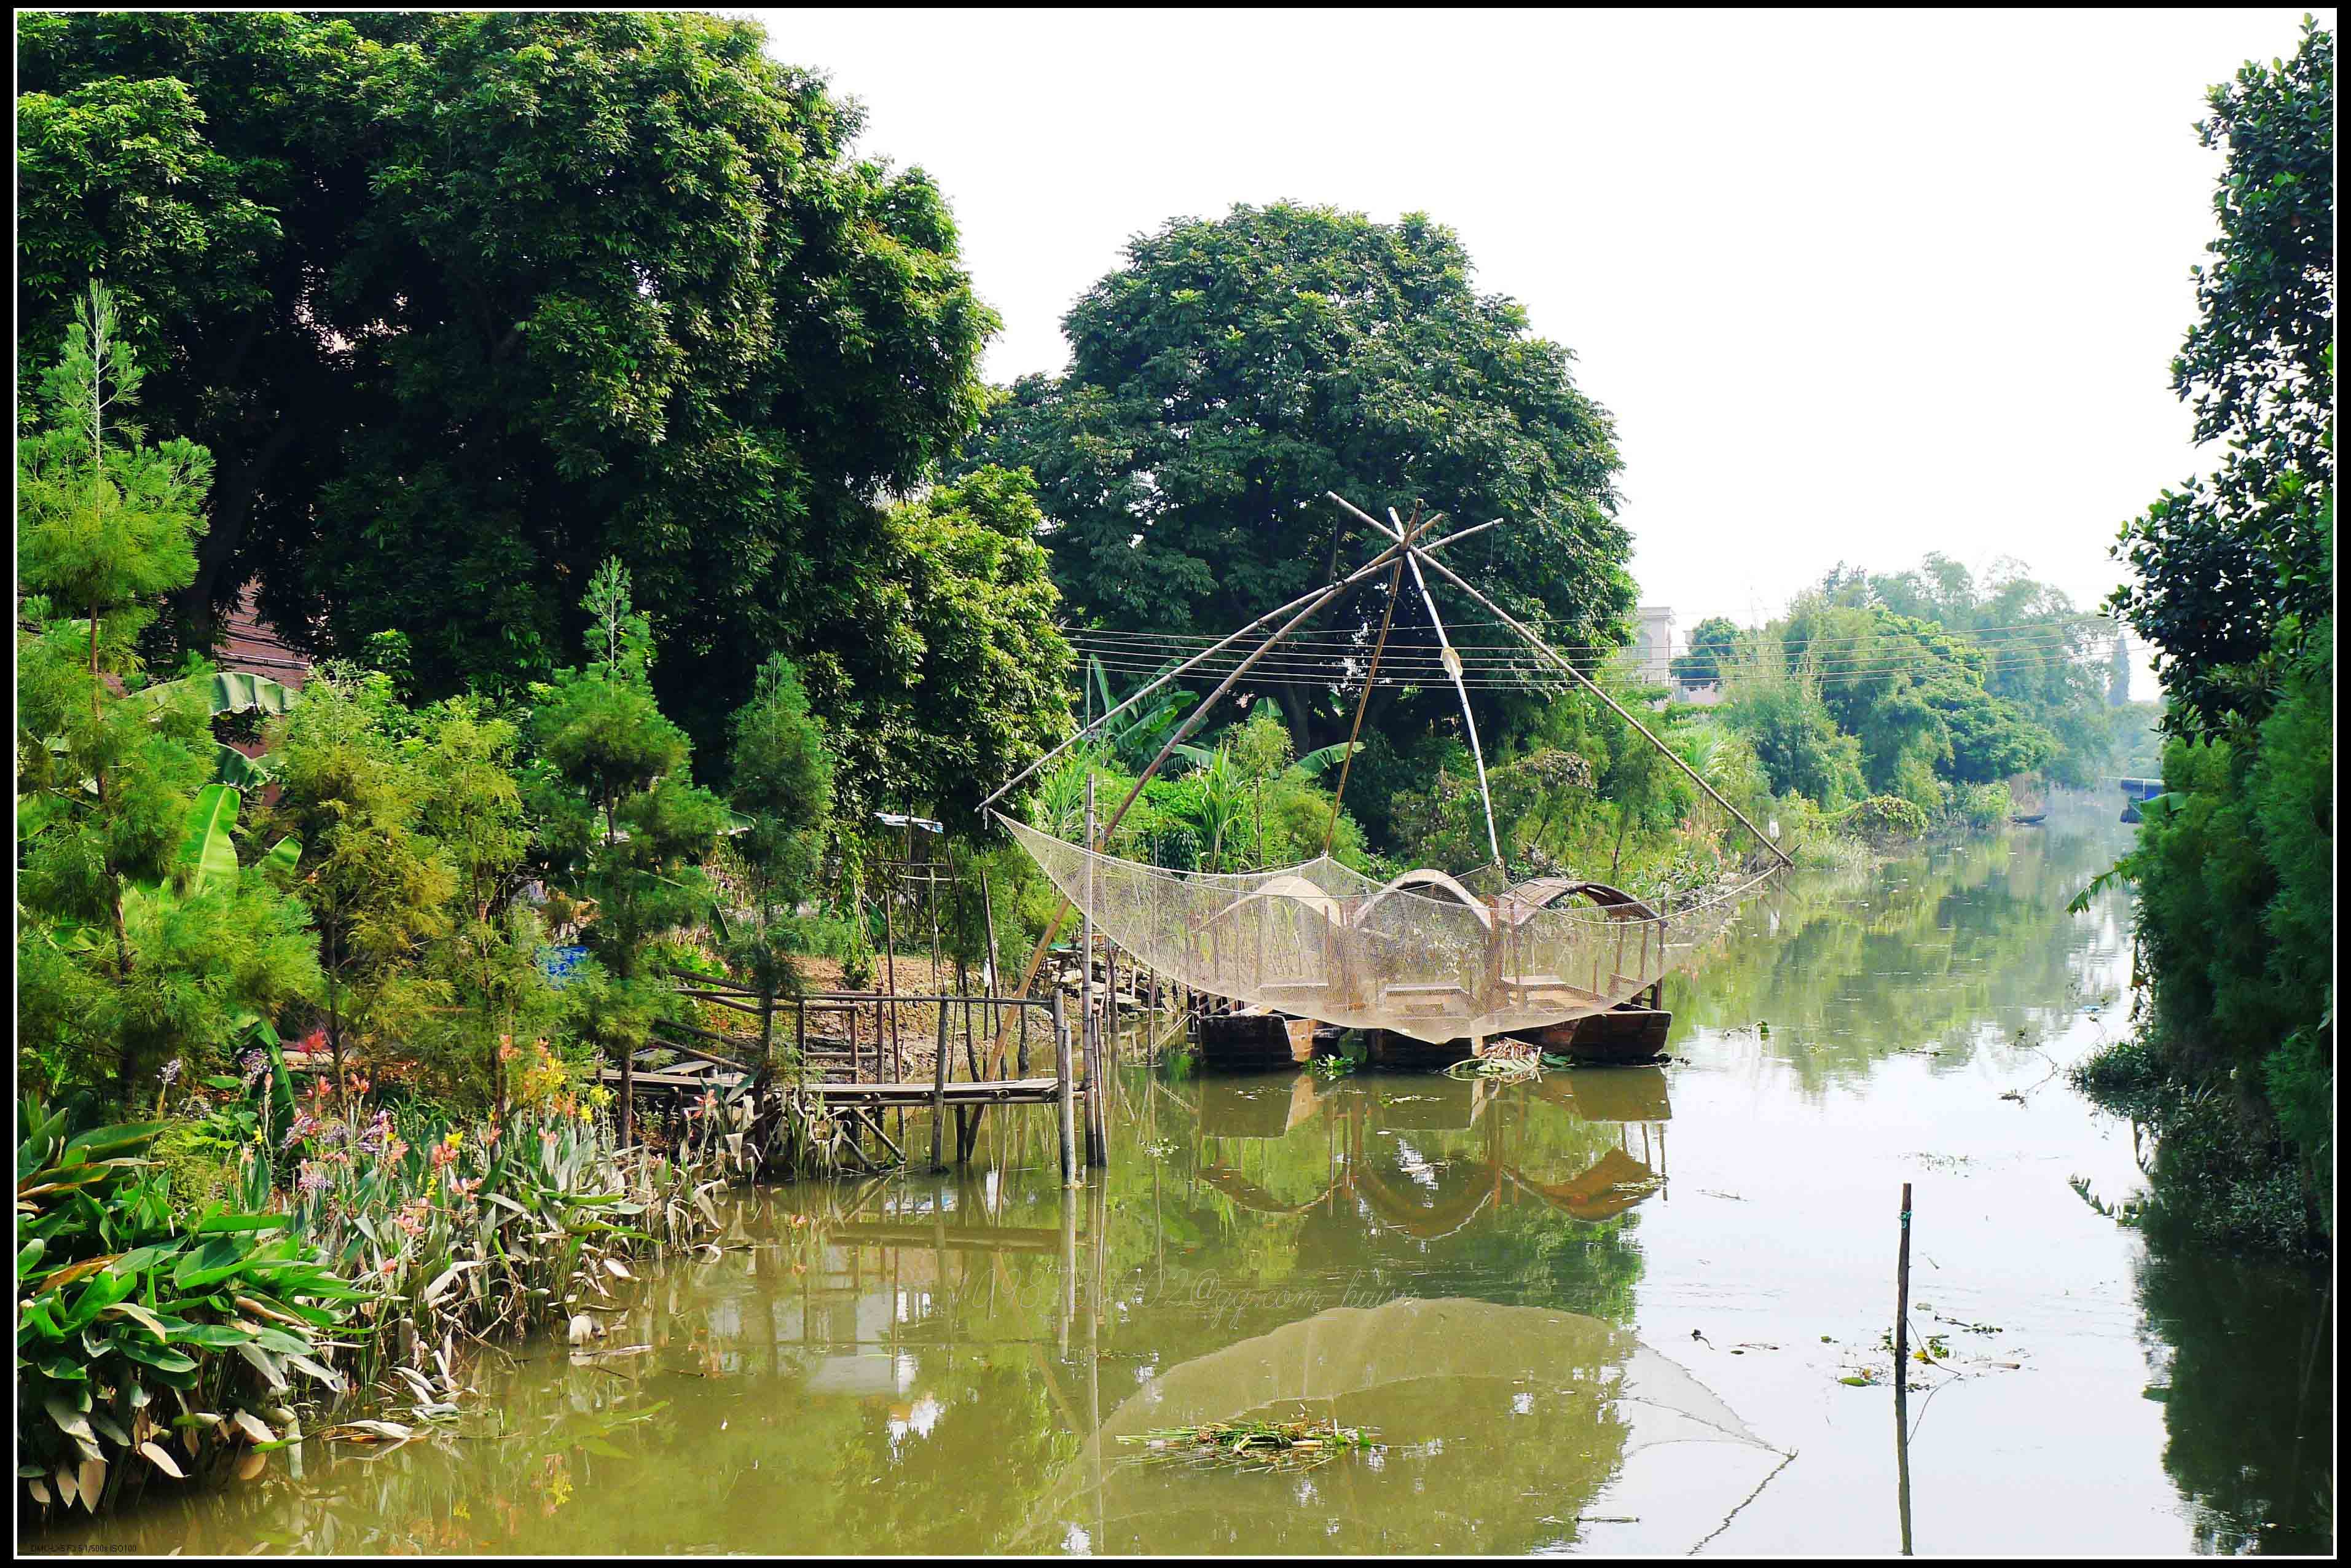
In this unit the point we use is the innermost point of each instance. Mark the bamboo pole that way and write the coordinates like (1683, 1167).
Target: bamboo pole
(1561, 661)
(1183, 733)
(1096, 1152)
(1203, 655)
(1370, 678)
(889, 977)
(1902, 1296)
(1468, 720)
(1902, 1375)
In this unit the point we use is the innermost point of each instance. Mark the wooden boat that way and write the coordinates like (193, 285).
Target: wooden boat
(2033, 821)
(1626, 1033)
(1632, 1031)
(1253, 1039)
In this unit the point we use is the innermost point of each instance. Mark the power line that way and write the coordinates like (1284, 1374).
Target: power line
(2088, 627)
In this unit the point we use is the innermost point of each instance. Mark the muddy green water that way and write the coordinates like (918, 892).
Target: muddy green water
(1609, 1311)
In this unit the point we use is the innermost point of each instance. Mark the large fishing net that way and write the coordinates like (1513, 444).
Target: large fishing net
(1423, 954)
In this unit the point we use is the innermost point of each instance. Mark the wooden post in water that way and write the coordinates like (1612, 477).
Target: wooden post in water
(1095, 1152)
(1902, 1296)
(1902, 1375)
(628, 1092)
(1069, 1110)
(939, 1092)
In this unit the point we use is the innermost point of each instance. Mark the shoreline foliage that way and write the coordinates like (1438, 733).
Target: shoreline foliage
(2233, 1065)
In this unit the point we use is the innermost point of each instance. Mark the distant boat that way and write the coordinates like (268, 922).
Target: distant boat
(2033, 821)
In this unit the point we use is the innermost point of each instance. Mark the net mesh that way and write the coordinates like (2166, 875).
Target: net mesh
(1423, 954)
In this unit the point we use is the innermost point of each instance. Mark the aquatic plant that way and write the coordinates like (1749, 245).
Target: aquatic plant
(1299, 1445)
(497, 1228)
(1508, 1061)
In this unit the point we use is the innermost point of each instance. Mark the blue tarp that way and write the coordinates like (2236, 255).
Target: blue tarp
(558, 963)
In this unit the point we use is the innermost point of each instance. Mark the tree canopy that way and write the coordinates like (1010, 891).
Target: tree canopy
(1234, 370)
(2225, 564)
(1711, 641)
(463, 304)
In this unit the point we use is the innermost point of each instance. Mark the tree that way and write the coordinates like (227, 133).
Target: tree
(485, 957)
(467, 303)
(620, 814)
(946, 675)
(1711, 641)
(2037, 652)
(2225, 563)
(782, 780)
(378, 887)
(1914, 695)
(1234, 370)
(141, 939)
(1776, 706)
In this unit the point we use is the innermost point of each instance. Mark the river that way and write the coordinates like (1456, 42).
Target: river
(1615, 1310)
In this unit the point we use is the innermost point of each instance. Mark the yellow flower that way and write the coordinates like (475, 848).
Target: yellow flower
(455, 1137)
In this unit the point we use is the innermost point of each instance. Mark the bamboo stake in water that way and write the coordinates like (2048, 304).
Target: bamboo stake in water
(1096, 1152)
(1901, 1374)
(1902, 1294)
(939, 1088)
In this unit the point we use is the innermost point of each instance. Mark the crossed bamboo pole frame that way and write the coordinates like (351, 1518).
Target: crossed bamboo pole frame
(1405, 549)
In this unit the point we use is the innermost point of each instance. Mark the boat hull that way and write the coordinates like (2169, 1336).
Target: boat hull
(1624, 1034)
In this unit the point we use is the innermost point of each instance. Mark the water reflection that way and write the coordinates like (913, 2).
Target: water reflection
(926, 1365)
(1486, 1409)
(918, 1365)
(1967, 946)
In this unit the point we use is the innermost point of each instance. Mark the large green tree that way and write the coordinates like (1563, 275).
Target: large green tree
(1711, 641)
(1913, 696)
(465, 304)
(947, 676)
(1234, 370)
(2224, 563)
(2039, 653)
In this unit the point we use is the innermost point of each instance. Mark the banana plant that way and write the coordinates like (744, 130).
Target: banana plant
(204, 862)
(1224, 797)
(232, 691)
(1136, 735)
(228, 691)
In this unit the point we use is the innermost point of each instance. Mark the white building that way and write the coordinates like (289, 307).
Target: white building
(1652, 644)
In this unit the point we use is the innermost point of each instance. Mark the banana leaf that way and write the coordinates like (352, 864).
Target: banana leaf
(230, 691)
(206, 848)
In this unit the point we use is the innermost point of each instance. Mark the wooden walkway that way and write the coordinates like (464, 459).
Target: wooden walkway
(723, 1073)
(990, 1091)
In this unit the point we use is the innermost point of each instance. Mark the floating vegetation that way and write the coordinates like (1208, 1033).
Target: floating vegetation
(1507, 1061)
(1328, 1067)
(1301, 1445)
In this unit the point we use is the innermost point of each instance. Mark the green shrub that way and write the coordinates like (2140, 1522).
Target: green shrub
(198, 1163)
(144, 1345)
(1981, 805)
(1884, 819)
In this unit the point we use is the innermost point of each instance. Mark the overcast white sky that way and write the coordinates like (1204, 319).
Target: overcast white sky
(1855, 285)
